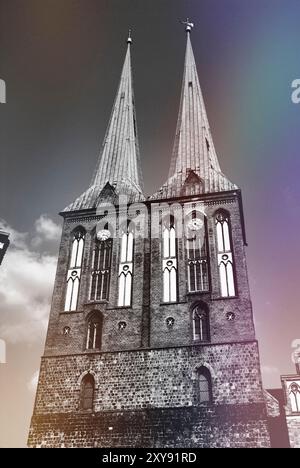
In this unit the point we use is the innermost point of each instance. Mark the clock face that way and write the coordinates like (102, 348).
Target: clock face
(195, 224)
(103, 235)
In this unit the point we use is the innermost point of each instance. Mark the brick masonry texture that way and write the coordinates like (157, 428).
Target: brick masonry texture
(146, 318)
(137, 382)
(146, 375)
(238, 426)
(154, 378)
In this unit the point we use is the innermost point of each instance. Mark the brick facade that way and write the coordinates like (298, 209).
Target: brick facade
(149, 398)
(146, 318)
(148, 372)
(223, 426)
(158, 378)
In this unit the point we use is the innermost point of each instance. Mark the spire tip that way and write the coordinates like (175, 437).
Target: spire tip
(129, 39)
(188, 25)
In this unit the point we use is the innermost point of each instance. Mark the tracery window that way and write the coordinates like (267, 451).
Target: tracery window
(200, 324)
(225, 256)
(101, 266)
(94, 331)
(126, 266)
(197, 254)
(294, 394)
(169, 260)
(74, 271)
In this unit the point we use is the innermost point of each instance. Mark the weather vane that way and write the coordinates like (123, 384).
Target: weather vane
(188, 25)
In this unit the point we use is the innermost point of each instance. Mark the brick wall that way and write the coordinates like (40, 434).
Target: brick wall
(240, 426)
(153, 378)
(146, 375)
(146, 318)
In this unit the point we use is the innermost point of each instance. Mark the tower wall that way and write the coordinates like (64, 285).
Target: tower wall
(155, 391)
(146, 318)
(221, 330)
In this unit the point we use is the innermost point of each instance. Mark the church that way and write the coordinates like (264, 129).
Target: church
(151, 340)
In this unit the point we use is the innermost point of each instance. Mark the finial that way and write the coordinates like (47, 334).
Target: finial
(188, 25)
(129, 40)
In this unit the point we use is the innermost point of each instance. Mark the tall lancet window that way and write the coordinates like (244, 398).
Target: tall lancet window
(94, 331)
(225, 257)
(200, 324)
(101, 263)
(74, 271)
(126, 266)
(294, 394)
(169, 260)
(87, 391)
(196, 253)
(205, 395)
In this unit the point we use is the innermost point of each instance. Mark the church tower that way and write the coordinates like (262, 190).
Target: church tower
(151, 341)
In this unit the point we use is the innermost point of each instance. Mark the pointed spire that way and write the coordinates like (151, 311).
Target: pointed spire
(119, 163)
(194, 159)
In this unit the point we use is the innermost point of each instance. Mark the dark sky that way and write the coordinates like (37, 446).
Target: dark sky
(61, 60)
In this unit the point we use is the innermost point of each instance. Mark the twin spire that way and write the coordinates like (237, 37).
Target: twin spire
(119, 163)
(194, 166)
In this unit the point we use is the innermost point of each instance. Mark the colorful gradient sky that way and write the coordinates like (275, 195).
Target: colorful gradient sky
(61, 61)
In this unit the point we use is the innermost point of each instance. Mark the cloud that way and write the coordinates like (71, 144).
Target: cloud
(26, 283)
(32, 383)
(46, 231)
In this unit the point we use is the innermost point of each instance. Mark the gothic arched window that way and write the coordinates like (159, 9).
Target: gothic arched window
(126, 266)
(200, 324)
(74, 271)
(225, 256)
(101, 263)
(87, 390)
(196, 252)
(204, 386)
(94, 331)
(169, 260)
(294, 394)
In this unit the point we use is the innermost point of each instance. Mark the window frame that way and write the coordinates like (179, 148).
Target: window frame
(207, 258)
(227, 215)
(121, 264)
(170, 219)
(91, 320)
(202, 307)
(86, 379)
(205, 372)
(74, 271)
(93, 270)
